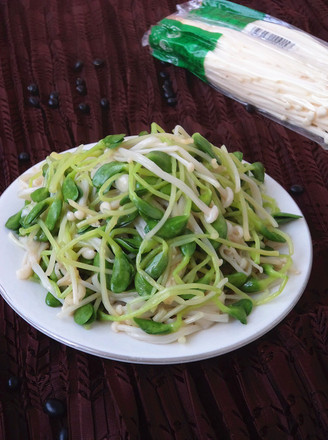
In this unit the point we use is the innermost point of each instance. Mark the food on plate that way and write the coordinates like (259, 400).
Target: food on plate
(162, 234)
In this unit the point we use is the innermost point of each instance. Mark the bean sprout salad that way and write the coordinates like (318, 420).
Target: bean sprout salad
(161, 234)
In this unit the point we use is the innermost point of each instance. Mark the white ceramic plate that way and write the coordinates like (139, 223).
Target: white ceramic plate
(27, 299)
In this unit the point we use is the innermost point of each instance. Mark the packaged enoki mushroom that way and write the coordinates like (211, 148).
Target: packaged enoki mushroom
(251, 57)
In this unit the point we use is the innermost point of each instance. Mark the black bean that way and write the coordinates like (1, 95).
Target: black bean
(54, 95)
(13, 383)
(250, 108)
(34, 101)
(84, 108)
(54, 407)
(78, 66)
(79, 82)
(296, 189)
(167, 84)
(24, 156)
(168, 89)
(163, 74)
(53, 102)
(169, 94)
(172, 101)
(98, 62)
(33, 89)
(81, 89)
(63, 433)
(104, 103)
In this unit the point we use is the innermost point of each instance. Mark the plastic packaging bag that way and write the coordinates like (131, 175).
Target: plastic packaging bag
(251, 57)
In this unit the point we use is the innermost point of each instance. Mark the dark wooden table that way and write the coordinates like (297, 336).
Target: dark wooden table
(274, 388)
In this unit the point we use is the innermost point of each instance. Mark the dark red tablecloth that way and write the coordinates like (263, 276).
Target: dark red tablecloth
(274, 388)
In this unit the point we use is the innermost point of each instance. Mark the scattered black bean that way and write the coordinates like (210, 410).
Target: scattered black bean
(79, 82)
(34, 101)
(163, 74)
(81, 89)
(98, 62)
(78, 66)
(172, 101)
(84, 108)
(33, 89)
(54, 407)
(24, 156)
(168, 91)
(53, 102)
(104, 103)
(169, 94)
(250, 108)
(167, 85)
(54, 95)
(13, 383)
(63, 433)
(296, 189)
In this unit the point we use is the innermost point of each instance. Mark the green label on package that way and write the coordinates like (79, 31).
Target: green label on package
(185, 45)
(225, 13)
(182, 45)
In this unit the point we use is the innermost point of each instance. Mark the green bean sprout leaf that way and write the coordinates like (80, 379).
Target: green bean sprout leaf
(258, 171)
(40, 194)
(34, 214)
(241, 309)
(146, 208)
(122, 273)
(203, 144)
(129, 244)
(284, 217)
(107, 171)
(113, 140)
(125, 220)
(220, 225)
(237, 278)
(14, 221)
(69, 189)
(53, 214)
(271, 235)
(239, 155)
(187, 296)
(166, 189)
(205, 196)
(252, 285)
(84, 229)
(188, 249)
(173, 227)
(83, 314)
(52, 301)
(151, 180)
(152, 327)
(158, 264)
(163, 160)
(45, 169)
(142, 286)
(270, 271)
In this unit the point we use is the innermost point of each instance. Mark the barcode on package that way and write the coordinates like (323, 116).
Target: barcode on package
(275, 39)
